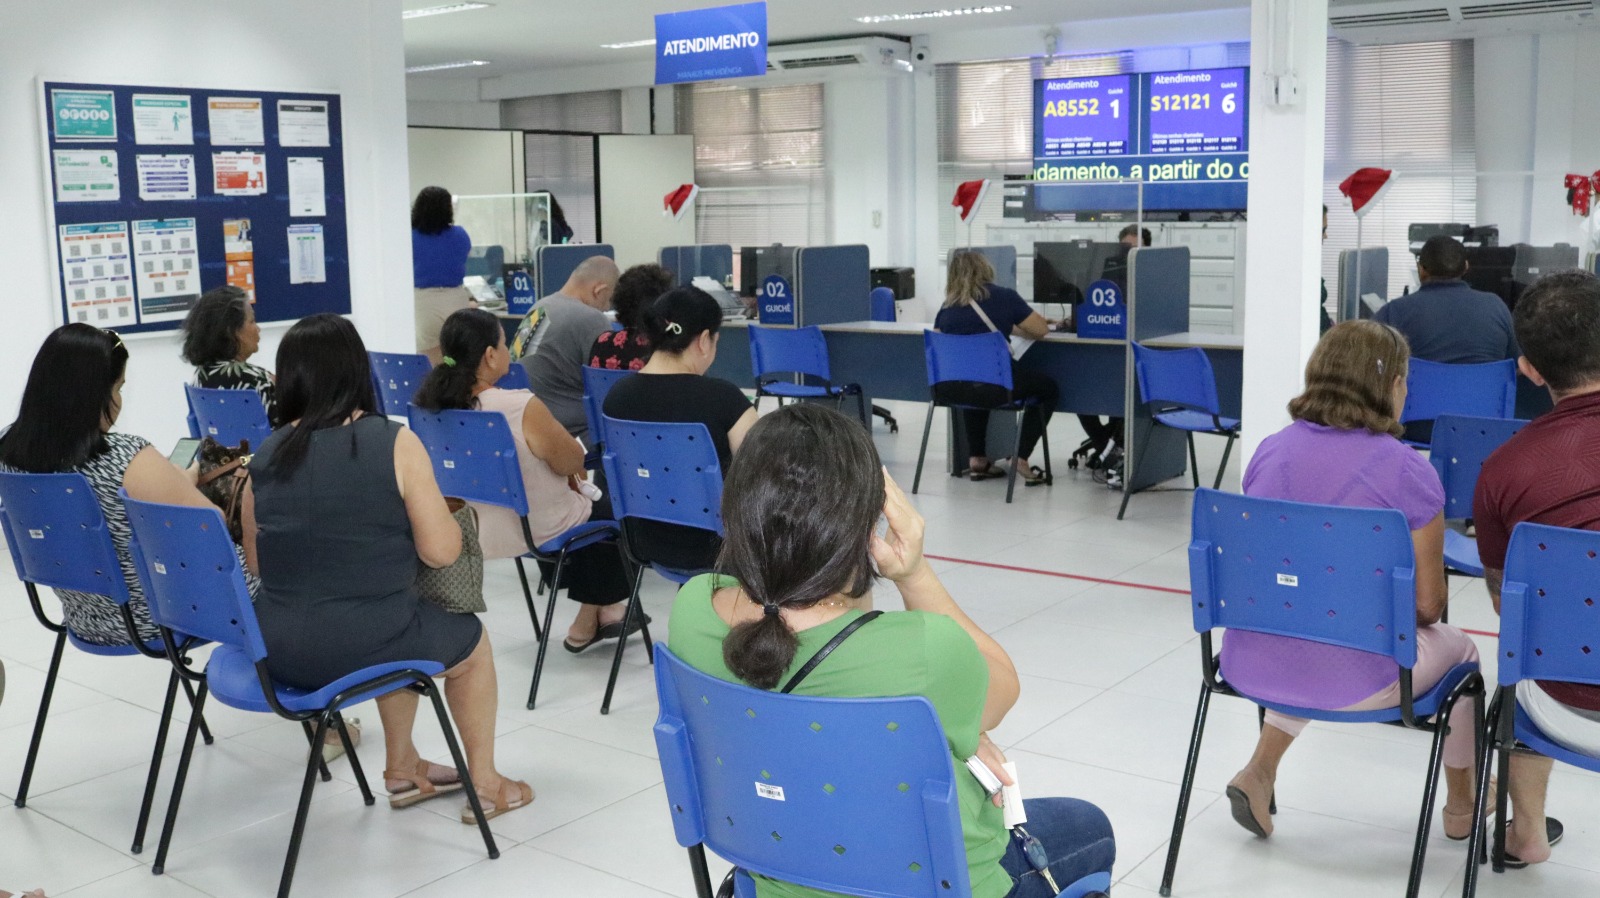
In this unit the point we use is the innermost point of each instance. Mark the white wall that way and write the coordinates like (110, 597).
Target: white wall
(449, 103)
(358, 53)
(636, 172)
(870, 157)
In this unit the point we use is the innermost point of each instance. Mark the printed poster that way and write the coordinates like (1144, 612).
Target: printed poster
(163, 119)
(166, 177)
(166, 263)
(305, 187)
(302, 123)
(307, 263)
(239, 250)
(96, 274)
(239, 174)
(235, 121)
(83, 115)
(87, 176)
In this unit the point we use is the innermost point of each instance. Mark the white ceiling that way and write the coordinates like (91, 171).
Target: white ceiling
(529, 35)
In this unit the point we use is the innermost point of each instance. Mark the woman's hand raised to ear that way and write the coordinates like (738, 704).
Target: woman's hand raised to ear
(898, 554)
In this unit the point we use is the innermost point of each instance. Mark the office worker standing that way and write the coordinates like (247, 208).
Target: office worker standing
(439, 249)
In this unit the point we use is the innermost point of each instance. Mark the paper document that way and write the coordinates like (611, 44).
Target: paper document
(166, 177)
(1373, 301)
(166, 262)
(305, 187)
(307, 265)
(87, 176)
(239, 174)
(162, 119)
(239, 250)
(96, 274)
(83, 115)
(235, 121)
(302, 123)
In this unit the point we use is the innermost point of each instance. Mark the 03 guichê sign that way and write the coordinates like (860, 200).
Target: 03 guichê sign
(711, 44)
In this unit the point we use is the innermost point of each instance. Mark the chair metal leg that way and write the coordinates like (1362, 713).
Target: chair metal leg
(178, 781)
(1186, 789)
(205, 731)
(527, 595)
(1430, 794)
(649, 646)
(155, 762)
(1194, 465)
(1498, 855)
(861, 410)
(1016, 449)
(1224, 466)
(634, 603)
(1477, 841)
(38, 721)
(922, 453)
(316, 749)
(355, 762)
(702, 875)
(549, 633)
(304, 808)
(1044, 441)
(473, 801)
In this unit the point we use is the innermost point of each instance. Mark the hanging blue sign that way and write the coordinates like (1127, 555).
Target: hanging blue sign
(1103, 314)
(711, 44)
(519, 291)
(776, 302)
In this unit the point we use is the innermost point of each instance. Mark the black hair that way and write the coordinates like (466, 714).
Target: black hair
(67, 401)
(432, 211)
(636, 289)
(324, 377)
(799, 506)
(211, 329)
(678, 316)
(1443, 256)
(1557, 321)
(556, 213)
(1130, 230)
(466, 335)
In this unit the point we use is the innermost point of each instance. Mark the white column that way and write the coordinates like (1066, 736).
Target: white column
(1283, 255)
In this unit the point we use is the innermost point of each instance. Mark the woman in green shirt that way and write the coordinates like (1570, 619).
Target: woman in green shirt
(799, 507)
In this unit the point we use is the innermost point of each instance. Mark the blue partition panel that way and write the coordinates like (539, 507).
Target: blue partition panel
(1158, 291)
(556, 262)
(833, 286)
(1374, 280)
(712, 260)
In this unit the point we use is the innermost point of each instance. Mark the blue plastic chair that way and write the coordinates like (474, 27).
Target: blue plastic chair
(475, 458)
(597, 384)
(792, 363)
(231, 417)
(396, 377)
(196, 589)
(69, 546)
(515, 379)
(833, 816)
(1488, 390)
(980, 359)
(1180, 389)
(668, 473)
(1334, 575)
(1460, 447)
(1547, 631)
(883, 304)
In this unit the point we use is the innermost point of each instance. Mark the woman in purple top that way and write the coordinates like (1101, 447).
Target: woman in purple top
(1342, 450)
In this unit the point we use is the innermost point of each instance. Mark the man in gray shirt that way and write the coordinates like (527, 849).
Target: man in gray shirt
(555, 337)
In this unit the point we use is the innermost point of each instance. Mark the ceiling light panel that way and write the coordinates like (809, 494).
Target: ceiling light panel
(932, 14)
(628, 45)
(441, 10)
(441, 66)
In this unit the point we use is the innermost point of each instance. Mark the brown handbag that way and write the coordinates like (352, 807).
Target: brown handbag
(224, 473)
(457, 587)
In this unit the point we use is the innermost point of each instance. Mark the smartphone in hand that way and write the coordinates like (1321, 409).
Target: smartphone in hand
(183, 454)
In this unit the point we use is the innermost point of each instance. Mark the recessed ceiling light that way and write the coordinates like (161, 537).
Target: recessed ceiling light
(628, 45)
(932, 14)
(441, 10)
(441, 66)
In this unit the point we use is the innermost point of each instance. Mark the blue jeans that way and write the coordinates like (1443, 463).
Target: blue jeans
(1076, 836)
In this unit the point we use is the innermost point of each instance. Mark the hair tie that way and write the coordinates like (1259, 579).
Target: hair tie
(446, 360)
(769, 608)
(674, 327)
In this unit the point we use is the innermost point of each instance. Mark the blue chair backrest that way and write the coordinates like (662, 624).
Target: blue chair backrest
(230, 416)
(775, 350)
(977, 358)
(597, 382)
(1550, 606)
(1341, 576)
(191, 575)
(1488, 390)
(396, 376)
(1458, 450)
(883, 304)
(663, 472)
(853, 795)
(1181, 377)
(57, 534)
(474, 456)
(515, 379)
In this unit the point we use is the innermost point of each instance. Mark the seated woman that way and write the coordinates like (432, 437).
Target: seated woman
(1342, 450)
(629, 348)
(974, 305)
(71, 402)
(475, 358)
(799, 562)
(341, 507)
(672, 387)
(219, 337)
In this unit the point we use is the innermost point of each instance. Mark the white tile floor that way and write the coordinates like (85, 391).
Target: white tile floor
(1109, 679)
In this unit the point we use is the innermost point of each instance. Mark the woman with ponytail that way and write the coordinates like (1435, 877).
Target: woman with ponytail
(474, 358)
(800, 508)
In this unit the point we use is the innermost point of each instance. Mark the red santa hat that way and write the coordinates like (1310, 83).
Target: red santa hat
(677, 202)
(969, 196)
(1366, 187)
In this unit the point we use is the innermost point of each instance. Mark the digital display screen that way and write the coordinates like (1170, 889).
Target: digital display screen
(1084, 117)
(1196, 112)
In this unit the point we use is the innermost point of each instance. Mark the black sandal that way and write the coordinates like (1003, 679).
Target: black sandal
(1034, 475)
(991, 472)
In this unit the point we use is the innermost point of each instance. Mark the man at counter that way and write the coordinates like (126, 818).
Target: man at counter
(553, 339)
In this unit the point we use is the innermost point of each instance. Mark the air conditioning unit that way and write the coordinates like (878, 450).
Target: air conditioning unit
(861, 55)
(1398, 21)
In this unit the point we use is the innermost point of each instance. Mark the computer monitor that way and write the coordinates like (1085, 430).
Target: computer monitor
(1062, 272)
(1490, 269)
(754, 266)
(903, 281)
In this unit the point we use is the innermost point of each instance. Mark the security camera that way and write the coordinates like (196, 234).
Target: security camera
(921, 55)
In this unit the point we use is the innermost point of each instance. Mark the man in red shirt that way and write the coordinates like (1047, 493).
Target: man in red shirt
(1549, 473)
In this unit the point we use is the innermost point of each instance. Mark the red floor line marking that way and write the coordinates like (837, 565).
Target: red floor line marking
(1481, 633)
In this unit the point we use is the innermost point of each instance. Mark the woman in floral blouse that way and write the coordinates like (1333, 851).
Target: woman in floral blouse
(628, 348)
(219, 337)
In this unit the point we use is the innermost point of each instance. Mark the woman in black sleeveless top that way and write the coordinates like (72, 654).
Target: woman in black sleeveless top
(342, 506)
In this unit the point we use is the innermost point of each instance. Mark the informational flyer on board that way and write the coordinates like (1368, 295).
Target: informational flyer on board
(302, 123)
(239, 250)
(86, 176)
(307, 263)
(83, 115)
(166, 177)
(163, 119)
(166, 264)
(235, 121)
(239, 174)
(306, 198)
(96, 273)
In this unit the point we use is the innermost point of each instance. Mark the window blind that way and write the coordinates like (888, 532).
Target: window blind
(597, 111)
(563, 164)
(758, 158)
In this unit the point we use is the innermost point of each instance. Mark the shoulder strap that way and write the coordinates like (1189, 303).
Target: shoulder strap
(978, 307)
(826, 650)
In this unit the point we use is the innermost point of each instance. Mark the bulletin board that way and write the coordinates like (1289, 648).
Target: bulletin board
(133, 244)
